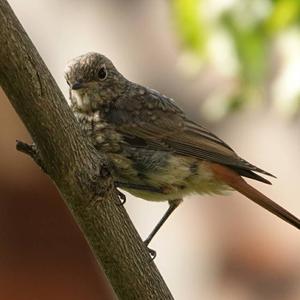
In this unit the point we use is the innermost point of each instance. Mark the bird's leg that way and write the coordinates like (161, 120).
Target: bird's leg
(172, 206)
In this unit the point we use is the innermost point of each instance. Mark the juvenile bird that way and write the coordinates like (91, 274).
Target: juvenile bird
(156, 152)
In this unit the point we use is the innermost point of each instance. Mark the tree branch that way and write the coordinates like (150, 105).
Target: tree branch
(79, 172)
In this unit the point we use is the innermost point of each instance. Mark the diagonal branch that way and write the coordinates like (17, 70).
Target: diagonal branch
(79, 172)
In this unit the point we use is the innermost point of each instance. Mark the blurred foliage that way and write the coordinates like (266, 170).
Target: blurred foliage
(284, 13)
(191, 27)
(251, 28)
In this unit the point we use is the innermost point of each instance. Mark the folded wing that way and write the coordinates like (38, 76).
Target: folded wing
(154, 121)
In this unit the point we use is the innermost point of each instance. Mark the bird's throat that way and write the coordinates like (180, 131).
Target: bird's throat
(81, 101)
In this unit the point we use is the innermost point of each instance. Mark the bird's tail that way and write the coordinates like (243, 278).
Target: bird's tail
(234, 180)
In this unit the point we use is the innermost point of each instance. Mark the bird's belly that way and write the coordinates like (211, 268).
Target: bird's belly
(161, 176)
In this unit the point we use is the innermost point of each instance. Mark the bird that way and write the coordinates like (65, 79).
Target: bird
(155, 151)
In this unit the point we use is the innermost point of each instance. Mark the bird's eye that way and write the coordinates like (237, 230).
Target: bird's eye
(102, 73)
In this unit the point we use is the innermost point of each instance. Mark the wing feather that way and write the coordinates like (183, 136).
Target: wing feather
(161, 125)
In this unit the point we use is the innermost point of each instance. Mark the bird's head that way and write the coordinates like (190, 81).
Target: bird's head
(93, 81)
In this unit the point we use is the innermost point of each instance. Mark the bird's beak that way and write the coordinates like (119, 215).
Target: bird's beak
(77, 85)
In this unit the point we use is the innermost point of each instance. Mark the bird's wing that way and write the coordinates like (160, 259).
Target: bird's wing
(148, 119)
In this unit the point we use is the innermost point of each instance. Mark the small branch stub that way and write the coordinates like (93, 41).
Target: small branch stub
(31, 151)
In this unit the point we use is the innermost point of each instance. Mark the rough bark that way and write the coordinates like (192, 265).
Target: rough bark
(79, 172)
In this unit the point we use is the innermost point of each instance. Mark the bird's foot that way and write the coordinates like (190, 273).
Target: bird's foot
(121, 197)
(152, 253)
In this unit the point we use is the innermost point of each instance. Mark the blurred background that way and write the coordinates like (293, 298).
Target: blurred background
(232, 65)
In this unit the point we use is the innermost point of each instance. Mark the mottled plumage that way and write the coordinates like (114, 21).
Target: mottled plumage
(156, 152)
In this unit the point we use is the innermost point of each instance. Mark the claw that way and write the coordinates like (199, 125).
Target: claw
(122, 198)
(152, 253)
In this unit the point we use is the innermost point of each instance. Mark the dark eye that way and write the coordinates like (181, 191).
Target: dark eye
(102, 73)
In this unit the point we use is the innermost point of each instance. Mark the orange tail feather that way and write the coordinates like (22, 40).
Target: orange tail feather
(234, 180)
